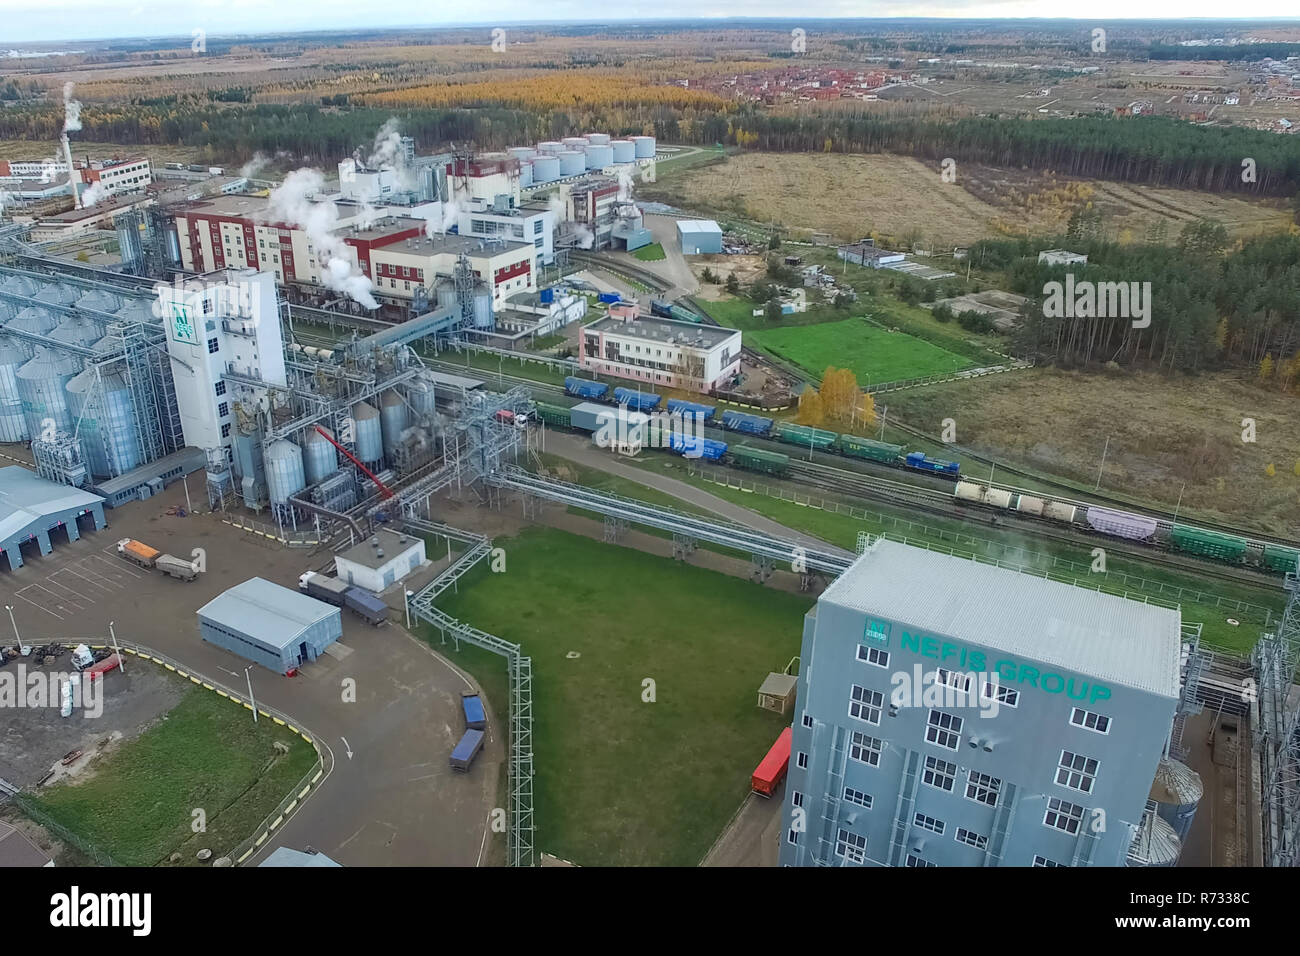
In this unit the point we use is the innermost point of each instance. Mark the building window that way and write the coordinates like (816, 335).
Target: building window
(1063, 815)
(1044, 861)
(970, 838)
(929, 823)
(223, 410)
(1006, 696)
(851, 846)
(953, 679)
(865, 749)
(213, 346)
(797, 799)
(915, 861)
(982, 788)
(944, 730)
(866, 704)
(873, 655)
(1086, 719)
(225, 430)
(792, 838)
(1076, 771)
(802, 762)
(857, 796)
(220, 388)
(207, 306)
(807, 720)
(940, 774)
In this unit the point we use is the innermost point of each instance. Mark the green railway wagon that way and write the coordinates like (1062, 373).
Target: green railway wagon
(856, 447)
(1280, 559)
(759, 459)
(803, 436)
(1208, 544)
(556, 415)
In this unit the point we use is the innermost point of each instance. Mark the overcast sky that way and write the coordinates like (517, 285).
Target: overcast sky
(56, 20)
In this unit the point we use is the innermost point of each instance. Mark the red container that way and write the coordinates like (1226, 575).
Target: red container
(109, 663)
(771, 771)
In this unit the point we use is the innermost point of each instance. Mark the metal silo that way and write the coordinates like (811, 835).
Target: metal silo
(597, 139)
(392, 417)
(645, 146)
(420, 395)
(546, 169)
(42, 386)
(369, 435)
(525, 172)
(1177, 790)
(572, 162)
(103, 416)
(284, 473)
(107, 344)
(33, 319)
(57, 294)
(77, 330)
(483, 318)
(550, 146)
(1155, 845)
(21, 285)
(139, 310)
(319, 459)
(599, 156)
(574, 142)
(624, 150)
(99, 300)
(446, 294)
(14, 353)
(7, 311)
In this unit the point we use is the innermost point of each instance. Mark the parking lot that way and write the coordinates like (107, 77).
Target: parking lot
(76, 577)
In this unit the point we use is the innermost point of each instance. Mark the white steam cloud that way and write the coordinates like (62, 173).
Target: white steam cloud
(254, 165)
(93, 194)
(71, 110)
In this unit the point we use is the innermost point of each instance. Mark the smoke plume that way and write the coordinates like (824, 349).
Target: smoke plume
(254, 165)
(93, 194)
(71, 110)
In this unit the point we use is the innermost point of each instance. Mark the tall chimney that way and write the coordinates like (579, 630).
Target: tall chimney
(72, 173)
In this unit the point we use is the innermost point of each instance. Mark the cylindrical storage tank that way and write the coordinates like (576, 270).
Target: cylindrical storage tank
(42, 385)
(420, 395)
(103, 413)
(645, 146)
(598, 157)
(597, 139)
(98, 300)
(550, 146)
(284, 472)
(14, 354)
(319, 458)
(525, 172)
(446, 294)
(1159, 848)
(624, 150)
(21, 285)
(370, 439)
(574, 142)
(546, 169)
(58, 294)
(77, 330)
(173, 245)
(483, 309)
(33, 319)
(572, 162)
(392, 419)
(522, 152)
(1177, 791)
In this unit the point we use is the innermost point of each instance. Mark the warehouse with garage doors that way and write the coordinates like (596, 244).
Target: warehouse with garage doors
(40, 514)
(274, 626)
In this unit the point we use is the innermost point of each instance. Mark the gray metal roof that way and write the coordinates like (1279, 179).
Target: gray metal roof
(1098, 635)
(698, 225)
(27, 498)
(270, 613)
(390, 542)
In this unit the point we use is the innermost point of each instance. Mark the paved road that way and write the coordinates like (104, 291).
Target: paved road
(395, 802)
(753, 837)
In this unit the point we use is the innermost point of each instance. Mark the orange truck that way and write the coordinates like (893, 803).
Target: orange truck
(137, 552)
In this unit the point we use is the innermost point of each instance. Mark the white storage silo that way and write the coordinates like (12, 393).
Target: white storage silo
(1158, 846)
(420, 395)
(597, 139)
(319, 457)
(483, 317)
(1177, 791)
(525, 172)
(645, 146)
(103, 416)
(284, 472)
(42, 386)
(575, 142)
(392, 420)
(33, 319)
(14, 354)
(369, 435)
(99, 300)
(21, 285)
(446, 294)
(58, 294)
(551, 147)
(624, 150)
(546, 169)
(522, 152)
(77, 330)
(572, 162)
(598, 157)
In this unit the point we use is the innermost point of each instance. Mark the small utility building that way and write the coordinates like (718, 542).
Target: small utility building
(381, 560)
(274, 626)
(34, 510)
(699, 236)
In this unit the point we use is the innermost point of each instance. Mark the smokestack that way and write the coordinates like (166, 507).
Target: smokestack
(72, 182)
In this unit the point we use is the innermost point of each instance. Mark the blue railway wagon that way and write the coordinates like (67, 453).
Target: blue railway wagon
(679, 406)
(585, 388)
(692, 446)
(636, 400)
(918, 461)
(749, 424)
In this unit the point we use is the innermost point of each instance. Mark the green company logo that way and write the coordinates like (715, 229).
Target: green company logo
(183, 329)
(876, 632)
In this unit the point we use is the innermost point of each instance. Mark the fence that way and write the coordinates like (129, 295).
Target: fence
(959, 376)
(291, 539)
(29, 806)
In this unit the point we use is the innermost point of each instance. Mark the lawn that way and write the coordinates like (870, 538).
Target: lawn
(874, 354)
(651, 253)
(622, 781)
(206, 753)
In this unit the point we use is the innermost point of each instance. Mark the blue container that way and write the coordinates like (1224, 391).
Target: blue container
(637, 401)
(608, 297)
(475, 716)
(584, 388)
(679, 406)
(691, 446)
(467, 750)
(920, 462)
(749, 424)
(547, 296)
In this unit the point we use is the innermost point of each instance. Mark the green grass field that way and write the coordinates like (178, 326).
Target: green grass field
(207, 754)
(873, 354)
(651, 253)
(621, 781)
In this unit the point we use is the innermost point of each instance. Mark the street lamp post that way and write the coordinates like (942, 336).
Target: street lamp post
(251, 699)
(23, 649)
(121, 661)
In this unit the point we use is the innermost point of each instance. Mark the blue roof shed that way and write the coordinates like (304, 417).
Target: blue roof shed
(34, 510)
(274, 626)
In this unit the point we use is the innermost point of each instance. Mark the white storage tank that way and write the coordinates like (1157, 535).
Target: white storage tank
(42, 386)
(446, 294)
(420, 394)
(522, 152)
(103, 413)
(600, 156)
(575, 142)
(550, 146)
(645, 146)
(319, 457)
(525, 172)
(483, 318)
(1159, 846)
(1177, 790)
(392, 420)
(597, 139)
(14, 353)
(369, 435)
(572, 162)
(77, 330)
(546, 169)
(284, 472)
(624, 150)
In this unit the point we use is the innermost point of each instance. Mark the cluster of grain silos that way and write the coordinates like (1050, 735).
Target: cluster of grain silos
(104, 409)
(574, 155)
(319, 457)
(285, 476)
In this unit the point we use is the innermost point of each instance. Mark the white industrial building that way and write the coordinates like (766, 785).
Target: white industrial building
(116, 177)
(499, 221)
(661, 352)
(380, 561)
(1061, 257)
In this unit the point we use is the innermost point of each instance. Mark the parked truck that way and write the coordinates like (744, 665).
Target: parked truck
(137, 552)
(365, 605)
(323, 588)
(177, 567)
(463, 756)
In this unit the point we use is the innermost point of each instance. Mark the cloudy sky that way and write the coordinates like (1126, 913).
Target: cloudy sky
(56, 20)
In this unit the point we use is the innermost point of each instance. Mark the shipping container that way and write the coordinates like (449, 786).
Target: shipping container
(749, 424)
(803, 436)
(467, 750)
(679, 406)
(585, 388)
(365, 605)
(555, 415)
(771, 770)
(1208, 544)
(322, 587)
(856, 447)
(608, 297)
(758, 459)
(137, 552)
(636, 399)
(1278, 558)
(1120, 524)
(586, 416)
(475, 715)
